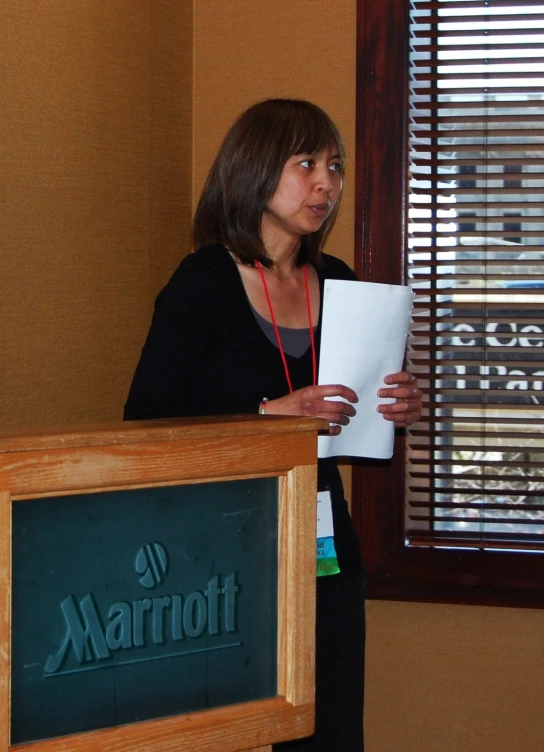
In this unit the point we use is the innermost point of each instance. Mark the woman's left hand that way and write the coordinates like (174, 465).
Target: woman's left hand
(407, 407)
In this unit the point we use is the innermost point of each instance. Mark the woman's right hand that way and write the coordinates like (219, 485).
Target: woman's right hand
(311, 401)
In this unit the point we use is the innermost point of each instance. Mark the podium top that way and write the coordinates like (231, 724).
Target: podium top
(140, 431)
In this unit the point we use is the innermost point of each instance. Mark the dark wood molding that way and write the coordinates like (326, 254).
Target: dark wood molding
(395, 571)
(380, 204)
(382, 65)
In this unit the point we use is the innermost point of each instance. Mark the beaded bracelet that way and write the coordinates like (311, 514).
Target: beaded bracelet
(262, 406)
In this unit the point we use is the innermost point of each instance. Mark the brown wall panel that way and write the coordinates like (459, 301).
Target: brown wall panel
(90, 114)
(171, 138)
(454, 678)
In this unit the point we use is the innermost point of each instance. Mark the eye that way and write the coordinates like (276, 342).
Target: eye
(336, 166)
(308, 163)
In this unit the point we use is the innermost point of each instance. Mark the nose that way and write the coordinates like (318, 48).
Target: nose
(325, 180)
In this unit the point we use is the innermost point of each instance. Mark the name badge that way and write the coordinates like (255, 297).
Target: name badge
(326, 560)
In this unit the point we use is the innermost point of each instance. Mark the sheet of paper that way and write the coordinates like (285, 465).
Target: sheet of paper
(363, 338)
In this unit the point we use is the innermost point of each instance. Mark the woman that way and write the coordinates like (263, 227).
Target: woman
(237, 329)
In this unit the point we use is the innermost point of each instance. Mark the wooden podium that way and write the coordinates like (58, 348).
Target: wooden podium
(158, 585)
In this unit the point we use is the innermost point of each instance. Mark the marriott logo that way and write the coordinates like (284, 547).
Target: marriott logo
(129, 627)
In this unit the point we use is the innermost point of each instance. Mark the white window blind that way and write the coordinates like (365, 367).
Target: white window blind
(475, 470)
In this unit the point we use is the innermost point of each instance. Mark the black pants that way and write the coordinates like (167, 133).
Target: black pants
(340, 657)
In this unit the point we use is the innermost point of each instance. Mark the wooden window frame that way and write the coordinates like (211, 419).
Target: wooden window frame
(396, 571)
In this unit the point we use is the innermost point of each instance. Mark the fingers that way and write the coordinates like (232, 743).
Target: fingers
(336, 412)
(401, 377)
(405, 388)
(407, 407)
(333, 411)
(402, 414)
(402, 393)
(315, 401)
(333, 390)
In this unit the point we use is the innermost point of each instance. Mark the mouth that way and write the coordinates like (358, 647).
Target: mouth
(320, 210)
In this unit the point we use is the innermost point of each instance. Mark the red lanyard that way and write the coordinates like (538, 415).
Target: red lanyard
(277, 331)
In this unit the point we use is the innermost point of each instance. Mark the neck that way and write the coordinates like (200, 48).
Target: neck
(283, 256)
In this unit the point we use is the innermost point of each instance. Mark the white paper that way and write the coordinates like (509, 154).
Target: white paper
(363, 338)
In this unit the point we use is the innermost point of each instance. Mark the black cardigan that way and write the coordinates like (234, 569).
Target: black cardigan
(206, 354)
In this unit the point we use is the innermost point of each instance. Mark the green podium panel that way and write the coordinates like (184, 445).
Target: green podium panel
(131, 605)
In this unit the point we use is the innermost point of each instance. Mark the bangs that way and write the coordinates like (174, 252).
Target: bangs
(291, 126)
(313, 135)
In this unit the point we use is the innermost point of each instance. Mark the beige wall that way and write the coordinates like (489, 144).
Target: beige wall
(111, 114)
(96, 102)
(447, 678)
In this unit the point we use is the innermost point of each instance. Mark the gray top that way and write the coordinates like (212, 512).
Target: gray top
(295, 342)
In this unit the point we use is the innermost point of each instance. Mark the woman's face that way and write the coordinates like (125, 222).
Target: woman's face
(307, 193)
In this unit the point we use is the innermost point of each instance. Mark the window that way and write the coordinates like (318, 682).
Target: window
(459, 515)
(514, 181)
(512, 228)
(464, 226)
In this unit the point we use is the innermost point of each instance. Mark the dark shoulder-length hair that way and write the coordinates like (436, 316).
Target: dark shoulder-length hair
(246, 173)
